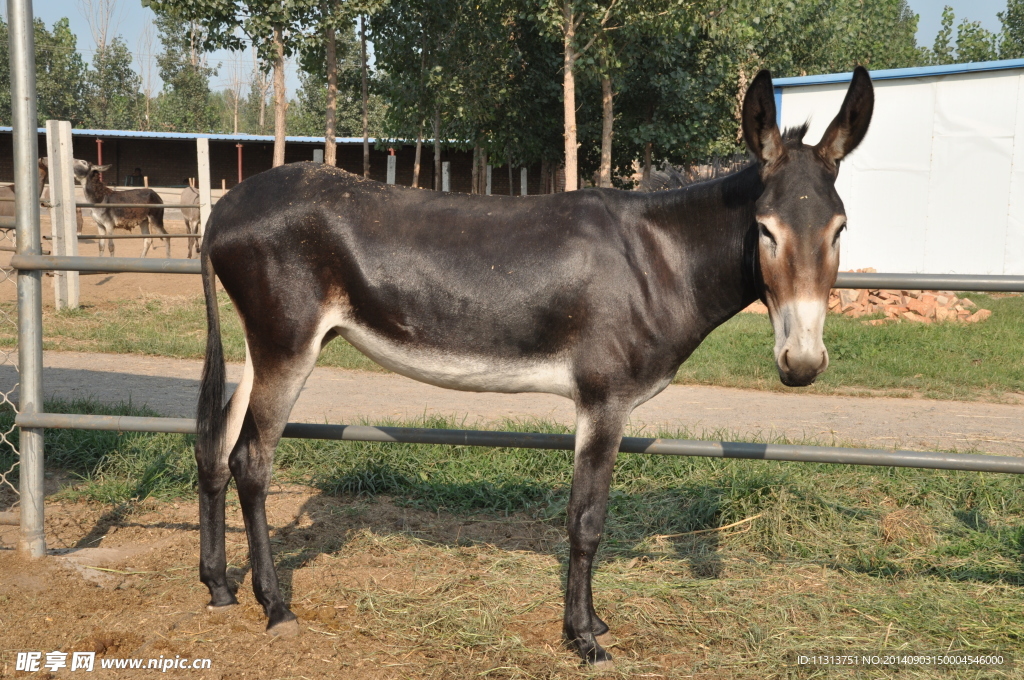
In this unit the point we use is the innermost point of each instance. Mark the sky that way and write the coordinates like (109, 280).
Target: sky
(132, 18)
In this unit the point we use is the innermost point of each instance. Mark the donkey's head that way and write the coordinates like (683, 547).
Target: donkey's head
(799, 219)
(84, 170)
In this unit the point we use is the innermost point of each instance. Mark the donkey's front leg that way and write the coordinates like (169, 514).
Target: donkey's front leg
(598, 434)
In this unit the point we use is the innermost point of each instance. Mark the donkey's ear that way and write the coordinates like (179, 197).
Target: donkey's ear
(850, 125)
(759, 127)
(103, 168)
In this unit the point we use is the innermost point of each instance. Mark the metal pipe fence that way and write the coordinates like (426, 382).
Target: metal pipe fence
(33, 421)
(565, 442)
(29, 264)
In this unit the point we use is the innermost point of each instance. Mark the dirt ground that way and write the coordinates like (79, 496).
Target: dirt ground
(101, 288)
(132, 579)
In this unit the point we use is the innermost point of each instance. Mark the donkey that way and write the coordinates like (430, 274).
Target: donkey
(88, 175)
(189, 195)
(596, 295)
(7, 190)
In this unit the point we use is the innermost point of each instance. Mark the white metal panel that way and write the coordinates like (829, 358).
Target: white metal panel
(1013, 262)
(937, 185)
(972, 150)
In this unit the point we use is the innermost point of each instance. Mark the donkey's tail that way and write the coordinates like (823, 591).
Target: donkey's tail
(210, 417)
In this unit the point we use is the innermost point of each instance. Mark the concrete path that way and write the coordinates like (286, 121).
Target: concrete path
(169, 387)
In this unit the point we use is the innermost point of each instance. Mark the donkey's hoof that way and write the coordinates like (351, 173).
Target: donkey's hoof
(221, 608)
(286, 629)
(603, 665)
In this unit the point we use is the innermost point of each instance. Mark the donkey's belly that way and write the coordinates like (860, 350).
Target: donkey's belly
(473, 372)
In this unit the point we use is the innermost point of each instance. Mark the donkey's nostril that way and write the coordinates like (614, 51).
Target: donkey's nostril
(784, 360)
(824, 362)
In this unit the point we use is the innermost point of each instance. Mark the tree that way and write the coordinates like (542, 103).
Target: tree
(1011, 41)
(115, 102)
(974, 43)
(272, 27)
(310, 114)
(942, 49)
(184, 105)
(61, 76)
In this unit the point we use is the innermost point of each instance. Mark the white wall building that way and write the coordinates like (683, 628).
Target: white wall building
(937, 186)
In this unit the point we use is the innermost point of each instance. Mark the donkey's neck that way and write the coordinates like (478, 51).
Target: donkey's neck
(716, 229)
(96, 190)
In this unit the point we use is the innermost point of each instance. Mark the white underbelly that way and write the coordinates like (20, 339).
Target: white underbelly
(473, 373)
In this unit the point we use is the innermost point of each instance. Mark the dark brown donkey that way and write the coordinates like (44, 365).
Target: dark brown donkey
(150, 218)
(596, 295)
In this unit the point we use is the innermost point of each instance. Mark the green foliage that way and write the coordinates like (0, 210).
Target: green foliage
(61, 75)
(308, 113)
(185, 104)
(115, 102)
(1011, 42)
(973, 42)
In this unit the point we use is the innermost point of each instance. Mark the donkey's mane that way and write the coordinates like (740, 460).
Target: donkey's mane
(679, 176)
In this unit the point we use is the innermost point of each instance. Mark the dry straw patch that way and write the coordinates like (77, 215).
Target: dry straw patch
(906, 526)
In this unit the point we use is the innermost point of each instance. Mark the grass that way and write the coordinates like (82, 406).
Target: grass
(825, 557)
(942, 361)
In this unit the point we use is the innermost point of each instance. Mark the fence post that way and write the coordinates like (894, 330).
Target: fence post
(205, 200)
(446, 176)
(63, 220)
(32, 542)
(522, 180)
(391, 168)
(489, 169)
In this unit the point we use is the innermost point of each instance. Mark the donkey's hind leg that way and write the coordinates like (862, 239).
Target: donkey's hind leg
(146, 242)
(277, 380)
(214, 475)
(157, 226)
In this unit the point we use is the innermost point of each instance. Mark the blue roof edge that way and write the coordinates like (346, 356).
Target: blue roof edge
(141, 134)
(894, 73)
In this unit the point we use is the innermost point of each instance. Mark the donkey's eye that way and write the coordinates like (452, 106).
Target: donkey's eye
(839, 231)
(765, 234)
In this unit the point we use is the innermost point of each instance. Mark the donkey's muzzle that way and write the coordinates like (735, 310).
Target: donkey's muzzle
(799, 369)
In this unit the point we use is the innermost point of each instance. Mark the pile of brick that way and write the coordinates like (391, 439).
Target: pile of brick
(919, 306)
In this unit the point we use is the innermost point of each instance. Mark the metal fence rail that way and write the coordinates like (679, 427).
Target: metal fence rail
(958, 282)
(566, 442)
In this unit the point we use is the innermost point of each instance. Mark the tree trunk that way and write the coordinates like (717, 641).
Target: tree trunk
(330, 146)
(604, 177)
(569, 95)
(475, 182)
(366, 99)
(236, 113)
(419, 154)
(437, 149)
(649, 146)
(280, 100)
(483, 171)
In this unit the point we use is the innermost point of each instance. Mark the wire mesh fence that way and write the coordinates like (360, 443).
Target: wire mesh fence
(8, 357)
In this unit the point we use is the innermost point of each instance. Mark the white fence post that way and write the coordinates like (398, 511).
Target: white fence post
(446, 176)
(205, 200)
(522, 180)
(392, 161)
(489, 169)
(63, 221)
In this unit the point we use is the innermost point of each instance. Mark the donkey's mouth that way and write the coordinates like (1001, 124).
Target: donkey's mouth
(801, 370)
